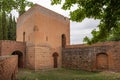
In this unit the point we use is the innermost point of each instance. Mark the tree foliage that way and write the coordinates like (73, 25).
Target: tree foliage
(4, 25)
(19, 5)
(108, 11)
(11, 28)
(7, 27)
(22, 4)
(7, 21)
(0, 26)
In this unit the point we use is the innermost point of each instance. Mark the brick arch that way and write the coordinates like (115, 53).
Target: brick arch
(102, 61)
(55, 59)
(20, 58)
(7, 47)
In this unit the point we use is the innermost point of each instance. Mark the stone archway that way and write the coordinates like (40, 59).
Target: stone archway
(55, 59)
(20, 58)
(102, 61)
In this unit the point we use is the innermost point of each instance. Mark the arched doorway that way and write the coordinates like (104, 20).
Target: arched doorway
(63, 40)
(55, 59)
(102, 61)
(20, 58)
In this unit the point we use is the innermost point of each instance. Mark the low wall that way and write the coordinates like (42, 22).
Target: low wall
(7, 47)
(92, 57)
(8, 67)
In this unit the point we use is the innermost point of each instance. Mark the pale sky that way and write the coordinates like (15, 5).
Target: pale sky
(77, 30)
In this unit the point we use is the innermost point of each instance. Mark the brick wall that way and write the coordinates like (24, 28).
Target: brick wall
(85, 56)
(7, 47)
(40, 57)
(30, 56)
(8, 67)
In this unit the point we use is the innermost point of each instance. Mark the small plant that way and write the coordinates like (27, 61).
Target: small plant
(24, 78)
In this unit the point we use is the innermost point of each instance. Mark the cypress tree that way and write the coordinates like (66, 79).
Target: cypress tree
(14, 29)
(10, 28)
(1, 36)
(4, 26)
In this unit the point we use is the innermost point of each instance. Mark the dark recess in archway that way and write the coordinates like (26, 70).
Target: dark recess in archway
(63, 40)
(23, 36)
(20, 58)
(55, 58)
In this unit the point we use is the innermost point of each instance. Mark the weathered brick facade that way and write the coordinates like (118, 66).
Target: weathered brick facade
(99, 56)
(42, 30)
(43, 38)
(8, 67)
(8, 47)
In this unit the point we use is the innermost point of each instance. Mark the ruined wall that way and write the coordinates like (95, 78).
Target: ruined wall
(92, 57)
(8, 67)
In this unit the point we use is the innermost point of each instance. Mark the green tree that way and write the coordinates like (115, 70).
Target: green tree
(11, 28)
(7, 23)
(1, 26)
(22, 5)
(7, 27)
(19, 5)
(14, 29)
(4, 26)
(108, 11)
(115, 35)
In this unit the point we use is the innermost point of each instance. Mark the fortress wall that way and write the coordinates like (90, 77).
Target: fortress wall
(9, 46)
(99, 56)
(8, 67)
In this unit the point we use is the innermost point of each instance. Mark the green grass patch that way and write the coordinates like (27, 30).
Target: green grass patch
(66, 74)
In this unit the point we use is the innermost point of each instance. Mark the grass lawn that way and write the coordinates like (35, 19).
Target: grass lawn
(66, 74)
